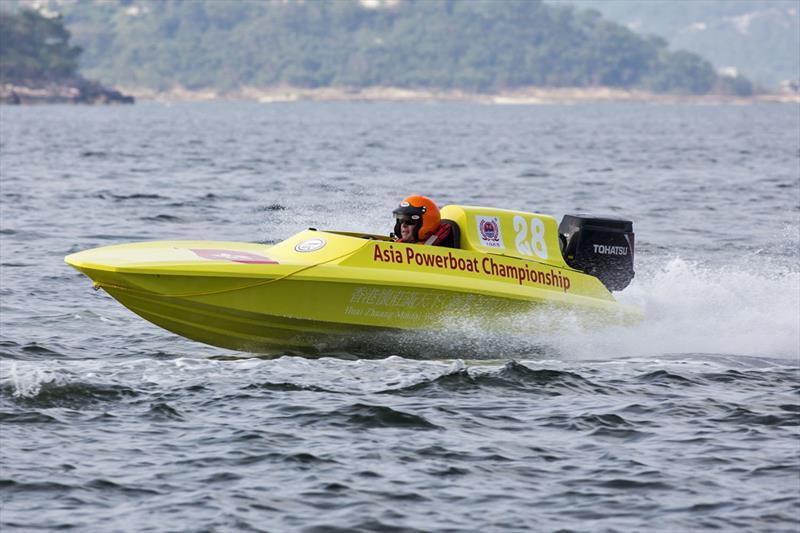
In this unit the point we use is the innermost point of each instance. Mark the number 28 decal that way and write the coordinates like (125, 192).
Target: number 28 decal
(533, 242)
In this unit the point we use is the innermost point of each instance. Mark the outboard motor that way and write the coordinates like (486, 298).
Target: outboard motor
(599, 246)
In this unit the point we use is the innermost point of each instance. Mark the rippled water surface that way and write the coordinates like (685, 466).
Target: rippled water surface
(687, 421)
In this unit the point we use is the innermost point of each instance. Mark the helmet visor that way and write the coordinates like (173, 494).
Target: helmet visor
(407, 220)
(409, 211)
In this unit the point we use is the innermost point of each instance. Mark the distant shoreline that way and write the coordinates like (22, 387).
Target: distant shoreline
(94, 93)
(525, 96)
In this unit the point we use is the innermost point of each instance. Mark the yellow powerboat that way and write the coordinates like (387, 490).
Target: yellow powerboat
(327, 291)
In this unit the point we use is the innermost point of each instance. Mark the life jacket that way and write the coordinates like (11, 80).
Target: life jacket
(443, 236)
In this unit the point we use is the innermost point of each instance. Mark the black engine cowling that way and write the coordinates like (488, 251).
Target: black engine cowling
(600, 246)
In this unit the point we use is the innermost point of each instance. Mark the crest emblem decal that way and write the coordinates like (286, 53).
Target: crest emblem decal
(489, 231)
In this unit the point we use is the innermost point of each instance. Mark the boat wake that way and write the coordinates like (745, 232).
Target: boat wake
(689, 308)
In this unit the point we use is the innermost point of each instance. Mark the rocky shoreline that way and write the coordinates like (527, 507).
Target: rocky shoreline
(71, 91)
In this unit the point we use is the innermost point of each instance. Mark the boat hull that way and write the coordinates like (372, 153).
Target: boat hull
(326, 292)
(364, 320)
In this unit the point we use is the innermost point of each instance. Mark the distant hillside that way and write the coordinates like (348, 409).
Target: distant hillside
(759, 38)
(38, 64)
(476, 45)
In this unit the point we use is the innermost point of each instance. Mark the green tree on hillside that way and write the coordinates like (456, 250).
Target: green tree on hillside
(684, 72)
(33, 47)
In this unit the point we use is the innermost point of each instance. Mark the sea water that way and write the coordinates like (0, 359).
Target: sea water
(685, 421)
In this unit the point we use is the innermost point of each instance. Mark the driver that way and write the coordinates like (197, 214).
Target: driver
(418, 221)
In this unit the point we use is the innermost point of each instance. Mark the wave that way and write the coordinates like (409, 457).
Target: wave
(33, 384)
(512, 375)
(362, 416)
(73, 395)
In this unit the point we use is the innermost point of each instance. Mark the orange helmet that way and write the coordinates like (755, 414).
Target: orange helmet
(422, 211)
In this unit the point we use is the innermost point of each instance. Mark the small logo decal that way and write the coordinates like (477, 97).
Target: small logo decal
(234, 256)
(489, 231)
(311, 245)
(607, 249)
